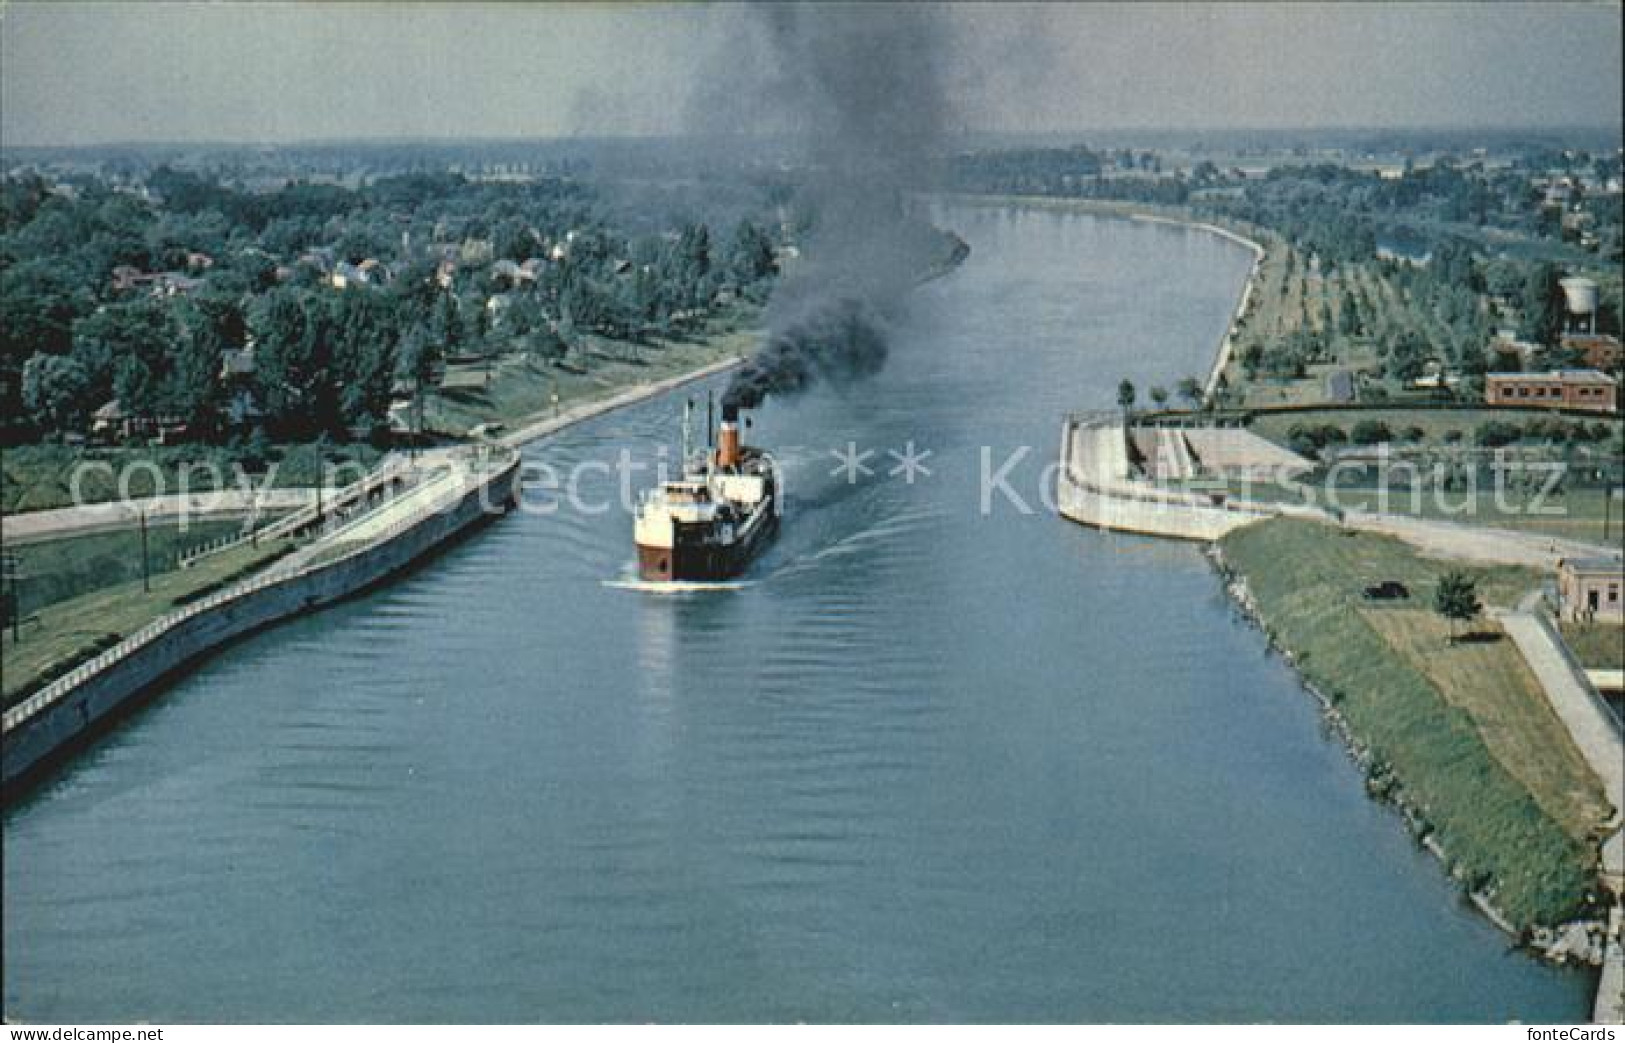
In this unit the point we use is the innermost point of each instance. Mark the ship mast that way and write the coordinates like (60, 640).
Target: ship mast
(688, 419)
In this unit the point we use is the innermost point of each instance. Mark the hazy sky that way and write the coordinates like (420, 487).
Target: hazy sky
(74, 73)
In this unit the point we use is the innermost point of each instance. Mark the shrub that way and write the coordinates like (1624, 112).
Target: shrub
(1370, 432)
(1495, 433)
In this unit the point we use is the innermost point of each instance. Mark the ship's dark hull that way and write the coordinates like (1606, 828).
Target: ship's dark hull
(697, 558)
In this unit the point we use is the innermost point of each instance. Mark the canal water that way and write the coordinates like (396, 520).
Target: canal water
(928, 762)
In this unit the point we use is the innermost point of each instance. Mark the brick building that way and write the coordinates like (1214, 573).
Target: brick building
(1586, 389)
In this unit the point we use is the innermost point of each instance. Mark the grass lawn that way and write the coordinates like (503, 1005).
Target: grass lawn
(1434, 423)
(1473, 752)
(60, 636)
(1598, 646)
(520, 389)
(55, 570)
(1485, 676)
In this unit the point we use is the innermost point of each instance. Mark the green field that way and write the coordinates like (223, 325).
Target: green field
(1462, 727)
(58, 637)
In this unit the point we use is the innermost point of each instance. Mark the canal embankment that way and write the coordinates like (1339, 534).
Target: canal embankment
(1456, 734)
(463, 488)
(1538, 862)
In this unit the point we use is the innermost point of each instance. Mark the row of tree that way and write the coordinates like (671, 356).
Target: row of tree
(253, 269)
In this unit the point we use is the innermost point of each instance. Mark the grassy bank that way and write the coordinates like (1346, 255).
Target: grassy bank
(61, 636)
(1461, 729)
(519, 389)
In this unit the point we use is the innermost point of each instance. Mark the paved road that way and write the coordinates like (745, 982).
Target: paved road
(1451, 540)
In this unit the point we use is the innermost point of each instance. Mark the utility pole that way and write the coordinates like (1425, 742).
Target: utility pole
(9, 575)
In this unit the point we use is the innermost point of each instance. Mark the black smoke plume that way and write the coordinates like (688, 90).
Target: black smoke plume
(837, 340)
(859, 91)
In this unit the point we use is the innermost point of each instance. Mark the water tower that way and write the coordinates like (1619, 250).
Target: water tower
(1580, 296)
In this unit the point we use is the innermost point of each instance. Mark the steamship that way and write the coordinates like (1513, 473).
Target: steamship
(709, 524)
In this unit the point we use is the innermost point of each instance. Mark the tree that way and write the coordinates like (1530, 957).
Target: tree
(56, 391)
(1408, 357)
(1159, 395)
(751, 257)
(1456, 599)
(1125, 397)
(1191, 391)
(1542, 305)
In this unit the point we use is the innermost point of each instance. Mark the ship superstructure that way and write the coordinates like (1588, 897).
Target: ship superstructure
(709, 523)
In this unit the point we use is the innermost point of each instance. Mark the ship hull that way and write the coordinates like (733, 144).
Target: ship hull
(695, 558)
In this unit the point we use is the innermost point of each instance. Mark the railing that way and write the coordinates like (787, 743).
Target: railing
(57, 689)
(302, 517)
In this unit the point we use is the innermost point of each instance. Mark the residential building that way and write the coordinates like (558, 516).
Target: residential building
(1600, 350)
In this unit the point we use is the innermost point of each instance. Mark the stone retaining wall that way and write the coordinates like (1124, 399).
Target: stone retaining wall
(43, 728)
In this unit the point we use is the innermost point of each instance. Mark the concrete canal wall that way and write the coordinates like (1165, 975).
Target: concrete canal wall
(1095, 487)
(55, 720)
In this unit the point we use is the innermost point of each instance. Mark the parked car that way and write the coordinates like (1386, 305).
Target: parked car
(1387, 590)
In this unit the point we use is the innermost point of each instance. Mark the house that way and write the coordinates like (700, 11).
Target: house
(1435, 378)
(1600, 350)
(346, 275)
(1592, 588)
(475, 252)
(320, 259)
(112, 422)
(1585, 389)
(237, 365)
(174, 284)
(109, 421)
(127, 277)
(373, 270)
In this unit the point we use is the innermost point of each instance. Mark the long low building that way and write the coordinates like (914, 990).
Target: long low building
(1587, 389)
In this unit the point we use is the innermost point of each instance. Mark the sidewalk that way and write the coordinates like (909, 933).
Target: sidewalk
(1596, 734)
